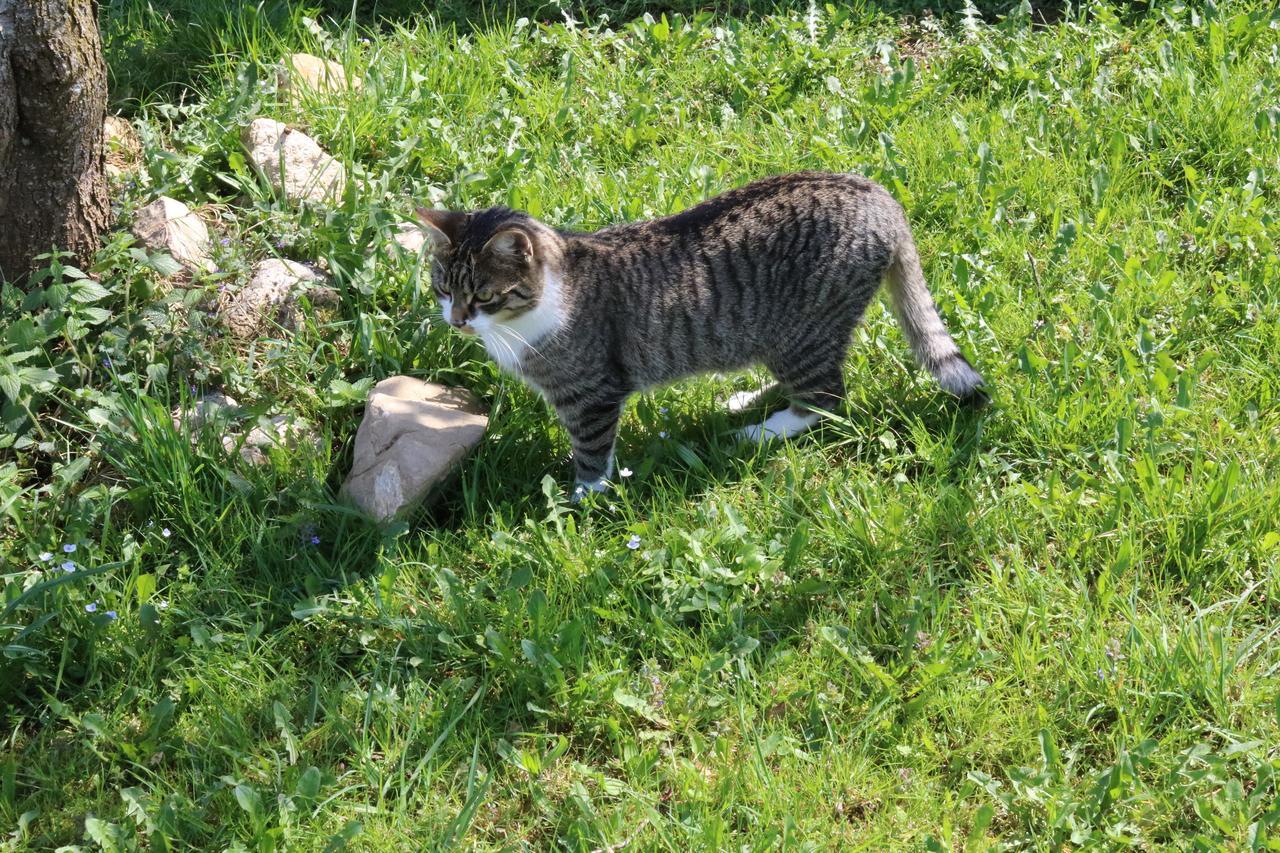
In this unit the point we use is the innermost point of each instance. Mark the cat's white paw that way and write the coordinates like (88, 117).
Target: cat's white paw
(742, 400)
(583, 487)
(783, 424)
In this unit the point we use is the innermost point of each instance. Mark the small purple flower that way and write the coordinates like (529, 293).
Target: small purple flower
(106, 362)
(165, 533)
(68, 566)
(91, 607)
(315, 540)
(226, 241)
(662, 410)
(45, 556)
(110, 614)
(69, 548)
(1102, 676)
(280, 244)
(634, 542)
(662, 434)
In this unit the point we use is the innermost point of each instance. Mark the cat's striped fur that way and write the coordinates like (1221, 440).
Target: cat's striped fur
(777, 273)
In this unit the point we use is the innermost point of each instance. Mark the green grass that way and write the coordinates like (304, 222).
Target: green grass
(1049, 624)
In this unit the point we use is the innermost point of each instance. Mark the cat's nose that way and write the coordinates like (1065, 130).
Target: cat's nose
(460, 318)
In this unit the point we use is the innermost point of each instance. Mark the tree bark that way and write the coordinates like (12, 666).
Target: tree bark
(53, 101)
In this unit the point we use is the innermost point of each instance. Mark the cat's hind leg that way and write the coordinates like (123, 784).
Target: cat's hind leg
(815, 383)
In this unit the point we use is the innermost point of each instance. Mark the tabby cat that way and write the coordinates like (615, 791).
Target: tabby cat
(777, 272)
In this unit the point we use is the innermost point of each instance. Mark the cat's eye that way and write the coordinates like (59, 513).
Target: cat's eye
(485, 296)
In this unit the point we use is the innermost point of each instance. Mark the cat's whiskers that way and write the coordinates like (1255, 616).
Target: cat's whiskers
(511, 351)
(528, 345)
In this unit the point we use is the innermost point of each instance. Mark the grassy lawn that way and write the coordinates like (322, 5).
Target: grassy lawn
(1050, 624)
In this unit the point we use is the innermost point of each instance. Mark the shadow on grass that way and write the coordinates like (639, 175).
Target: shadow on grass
(850, 434)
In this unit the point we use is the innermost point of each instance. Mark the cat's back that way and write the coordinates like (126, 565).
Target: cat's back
(767, 205)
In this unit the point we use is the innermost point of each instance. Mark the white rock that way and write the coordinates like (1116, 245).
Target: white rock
(300, 71)
(273, 293)
(168, 225)
(277, 431)
(412, 436)
(213, 407)
(410, 237)
(293, 162)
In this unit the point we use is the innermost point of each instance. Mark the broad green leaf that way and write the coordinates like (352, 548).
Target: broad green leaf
(144, 587)
(10, 385)
(164, 264)
(308, 786)
(248, 799)
(88, 290)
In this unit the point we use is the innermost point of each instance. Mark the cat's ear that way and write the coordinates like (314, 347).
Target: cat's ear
(512, 244)
(442, 227)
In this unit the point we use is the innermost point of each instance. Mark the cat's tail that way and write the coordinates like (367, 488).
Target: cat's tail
(934, 348)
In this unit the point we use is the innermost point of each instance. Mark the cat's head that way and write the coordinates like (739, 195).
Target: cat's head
(487, 266)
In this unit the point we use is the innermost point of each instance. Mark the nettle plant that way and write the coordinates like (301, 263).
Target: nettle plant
(77, 334)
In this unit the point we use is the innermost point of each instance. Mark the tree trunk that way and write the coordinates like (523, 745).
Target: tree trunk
(53, 100)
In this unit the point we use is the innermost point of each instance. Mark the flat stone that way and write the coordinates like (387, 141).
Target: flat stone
(298, 72)
(413, 435)
(410, 237)
(168, 225)
(293, 163)
(273, 293)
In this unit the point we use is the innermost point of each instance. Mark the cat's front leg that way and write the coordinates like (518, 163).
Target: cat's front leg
(593, 425)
